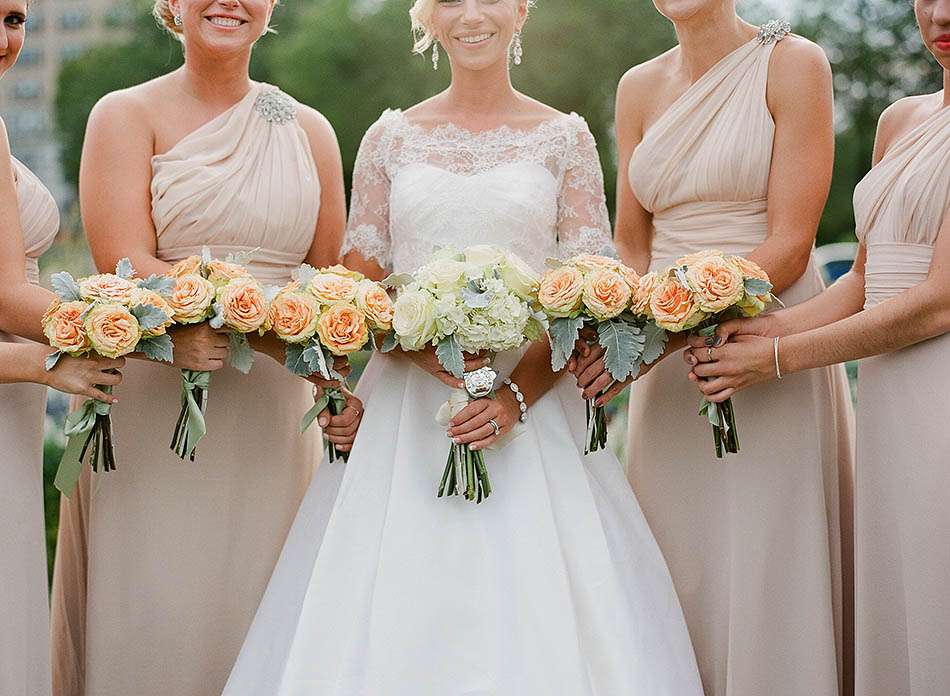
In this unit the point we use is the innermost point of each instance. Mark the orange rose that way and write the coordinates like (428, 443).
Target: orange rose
(718, 284)
(142, 296)
(244, 304)
(644, 292)
(221, 272)
(690, 259)
(343, 329)
(330, 288)
(373, 300)
(112, 330)
(293, 316)
(106, 287)
(64, 327)
(606, 293)
(752, 305)
(188, 266)
(674, 307)
(561, 291)
(192, 299)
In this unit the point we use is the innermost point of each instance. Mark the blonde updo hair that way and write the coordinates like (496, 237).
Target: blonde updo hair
(421, 16)
(165, 17)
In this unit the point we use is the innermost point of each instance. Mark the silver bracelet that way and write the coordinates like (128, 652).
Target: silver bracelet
(522, 406)
(778, 369)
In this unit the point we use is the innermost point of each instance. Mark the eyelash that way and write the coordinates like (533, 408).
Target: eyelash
(14, 20)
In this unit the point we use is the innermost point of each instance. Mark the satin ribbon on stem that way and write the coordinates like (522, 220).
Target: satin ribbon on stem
(191, 426)
(89, 432)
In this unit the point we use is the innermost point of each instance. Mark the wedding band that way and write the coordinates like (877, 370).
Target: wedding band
(494, 425)
(709, 356)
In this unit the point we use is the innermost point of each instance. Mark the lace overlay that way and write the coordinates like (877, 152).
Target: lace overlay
(538, 192)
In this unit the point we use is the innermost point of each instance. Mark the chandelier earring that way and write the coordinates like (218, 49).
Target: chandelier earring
(517, 49)
(435, 55)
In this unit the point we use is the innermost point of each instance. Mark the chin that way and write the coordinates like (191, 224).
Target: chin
(681, 10)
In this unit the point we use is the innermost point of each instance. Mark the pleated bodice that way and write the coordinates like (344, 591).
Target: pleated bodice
(39, 217)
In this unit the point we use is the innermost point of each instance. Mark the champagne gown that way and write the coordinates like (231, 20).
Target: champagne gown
(162, 563)
(757, 543)
(24, 599)
(902, 493)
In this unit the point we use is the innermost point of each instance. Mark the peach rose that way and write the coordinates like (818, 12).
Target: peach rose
(343, 329)
(749, 269)
(640, 303)
(690, 259)
(373, 300)
(330, 288)
(293, 316)
(220, 273)
(143, 296)
(188, 266)
(718, 284)
(606, 293)
(106, 287)
(192, 299)
(561, 291)
(631, 276)
(341, 270)
(674, 307)
(112, 329)
(64, 327)
(244, 304)
(594, 262)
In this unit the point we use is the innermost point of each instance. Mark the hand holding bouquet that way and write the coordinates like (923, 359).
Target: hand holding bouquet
(699, 292)
(110, 315)
(327, 313)
(600, 294)
(479, 300)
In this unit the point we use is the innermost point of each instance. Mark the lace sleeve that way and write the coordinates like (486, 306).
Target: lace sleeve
(583, 225)
(367, 231)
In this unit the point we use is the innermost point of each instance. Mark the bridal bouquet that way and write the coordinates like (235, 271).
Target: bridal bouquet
(478, 300)
(327, 313)
(224, 294)
(604, 296)
(111, 315)
(697, 293)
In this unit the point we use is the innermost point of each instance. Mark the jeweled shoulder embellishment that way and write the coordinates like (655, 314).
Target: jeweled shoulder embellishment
(275, 107)
(774, 31)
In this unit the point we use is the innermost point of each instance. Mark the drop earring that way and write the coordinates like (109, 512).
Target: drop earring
(177, 20)
(435, 55)
(518, 49)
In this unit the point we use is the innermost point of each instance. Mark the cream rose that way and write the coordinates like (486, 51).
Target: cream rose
(143, 296)
(188, 266)
(606, 293)
(112, 329)
(520, 277)
(330, 288)
(561, 291)
(414, 319)
(243, 304)
(64, 328)
(373, 300)
(220, 273)
(341, 270)
(343, 329)
(718, 284)
(192, 299)
(106, 287)
(594, 262)
(674, 307)
(293, 316)
(444, 275)
(484, 255)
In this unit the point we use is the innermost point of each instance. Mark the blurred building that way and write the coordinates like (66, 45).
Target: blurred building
(57, 31)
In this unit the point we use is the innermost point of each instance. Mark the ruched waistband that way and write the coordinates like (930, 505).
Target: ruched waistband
(33, 271)
(269, 266)
(892, 268)
(729, 226)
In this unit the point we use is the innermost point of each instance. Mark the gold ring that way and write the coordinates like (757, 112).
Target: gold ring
(709, 350)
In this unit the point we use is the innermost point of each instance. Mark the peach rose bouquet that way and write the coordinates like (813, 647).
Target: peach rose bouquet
(482, 299)
(111, 315)
(224, 294)
(324, 314)
(601, 299)
(696, 294)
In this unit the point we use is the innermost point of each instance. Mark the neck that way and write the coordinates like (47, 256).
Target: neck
(217, 79)
(708, 37)
(481, 91)
(946, 86)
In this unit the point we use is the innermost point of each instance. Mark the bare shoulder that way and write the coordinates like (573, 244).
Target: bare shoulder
(797, 62)
(641, 80)
(902, 116)
(316, 126)
(132, 107)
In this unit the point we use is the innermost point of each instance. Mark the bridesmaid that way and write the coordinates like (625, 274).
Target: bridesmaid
(28, 224)
(726, 142)
(161, 564)
(901, 279)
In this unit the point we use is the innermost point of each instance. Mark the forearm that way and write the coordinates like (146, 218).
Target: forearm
(840, 301)
(268, 344)
(783, 257)
(533, 374)
(22, 362)
(918, 314)
(22, 307)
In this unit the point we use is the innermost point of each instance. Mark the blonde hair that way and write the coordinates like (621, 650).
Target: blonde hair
(421, 15)
(165, 17)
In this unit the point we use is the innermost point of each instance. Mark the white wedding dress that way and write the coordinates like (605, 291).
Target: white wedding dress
(554, 585)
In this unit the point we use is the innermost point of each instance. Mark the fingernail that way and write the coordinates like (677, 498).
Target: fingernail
(474, 448)
(457, 441)
(718, 341)
(324, 421)
(710, 340)
(692, 360)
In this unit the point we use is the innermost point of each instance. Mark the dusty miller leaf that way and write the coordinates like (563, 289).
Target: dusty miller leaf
(240, 355)
(623, 344)
(65, 286)
(158, 348)
(450, 356)
(563, 333)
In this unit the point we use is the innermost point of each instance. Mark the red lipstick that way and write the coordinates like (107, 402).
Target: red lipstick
(943, 42)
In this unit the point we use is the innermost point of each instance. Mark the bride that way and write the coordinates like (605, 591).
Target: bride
(555, 584)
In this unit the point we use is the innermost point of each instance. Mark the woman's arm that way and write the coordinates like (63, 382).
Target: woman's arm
(26, 362)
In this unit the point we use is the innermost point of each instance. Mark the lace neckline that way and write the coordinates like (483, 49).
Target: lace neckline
(504, 132)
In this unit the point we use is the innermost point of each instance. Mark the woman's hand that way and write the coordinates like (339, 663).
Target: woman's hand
(721, 371)
(341, 365)
(427, 360)
(341, 429)
(472, 427)
(84, 376)
(199, 347)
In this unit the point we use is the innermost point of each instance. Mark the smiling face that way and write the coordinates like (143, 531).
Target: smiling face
(13, 32)
(222, 25)
(476, 33)
(933, 17)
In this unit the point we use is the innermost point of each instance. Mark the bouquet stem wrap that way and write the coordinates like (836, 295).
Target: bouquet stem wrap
(190, 427)
(89, 430)
(722, 416)
(333, 399)
(596, 427)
